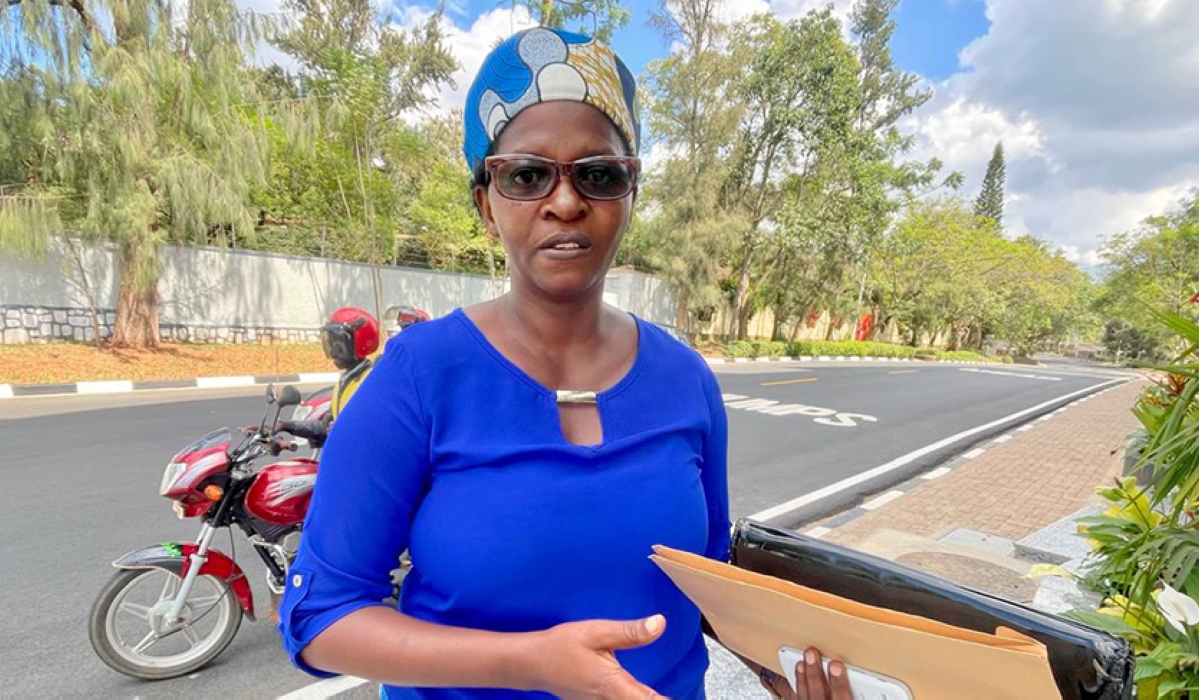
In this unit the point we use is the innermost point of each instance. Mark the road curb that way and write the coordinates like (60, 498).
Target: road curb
(124, 386)
(843, 358)
(845, 503)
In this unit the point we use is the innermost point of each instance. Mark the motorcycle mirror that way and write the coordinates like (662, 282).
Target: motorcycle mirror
(289, 396)
(270, 393)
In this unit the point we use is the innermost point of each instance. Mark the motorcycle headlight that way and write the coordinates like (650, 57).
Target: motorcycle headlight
(169, 476)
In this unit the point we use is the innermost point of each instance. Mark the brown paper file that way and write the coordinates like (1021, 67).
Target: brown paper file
(755, 615)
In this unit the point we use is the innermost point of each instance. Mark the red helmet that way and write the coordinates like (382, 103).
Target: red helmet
(350, 336)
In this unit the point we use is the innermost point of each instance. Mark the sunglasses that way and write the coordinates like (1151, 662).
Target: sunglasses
(526, 177)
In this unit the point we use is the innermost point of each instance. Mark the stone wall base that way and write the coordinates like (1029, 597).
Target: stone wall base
(44, 324)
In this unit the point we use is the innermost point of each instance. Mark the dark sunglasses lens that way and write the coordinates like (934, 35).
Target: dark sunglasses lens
(525, 179)
(604, 180)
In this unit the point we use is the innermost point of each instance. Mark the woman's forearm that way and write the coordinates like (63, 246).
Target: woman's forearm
(384, 645)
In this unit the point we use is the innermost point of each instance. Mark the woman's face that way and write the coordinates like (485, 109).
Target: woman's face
(563, 131)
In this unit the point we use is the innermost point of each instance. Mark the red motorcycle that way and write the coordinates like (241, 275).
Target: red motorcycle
(174, 606)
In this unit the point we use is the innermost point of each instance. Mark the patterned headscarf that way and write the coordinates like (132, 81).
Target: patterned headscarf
(543, 65)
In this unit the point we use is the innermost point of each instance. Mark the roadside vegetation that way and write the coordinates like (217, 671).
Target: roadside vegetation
(1145, 543)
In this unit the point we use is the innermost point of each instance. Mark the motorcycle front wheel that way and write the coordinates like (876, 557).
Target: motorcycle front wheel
(129, 631)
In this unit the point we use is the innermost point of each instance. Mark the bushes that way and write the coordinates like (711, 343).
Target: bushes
(741, 348)
(844, 348)
(964, 355)
(770, 348)
(848, 348)
(1144, 543)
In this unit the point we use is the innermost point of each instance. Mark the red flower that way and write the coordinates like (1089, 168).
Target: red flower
(1195, 299)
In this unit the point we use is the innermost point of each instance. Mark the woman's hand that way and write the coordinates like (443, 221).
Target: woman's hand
(810, 680)
(575, 660)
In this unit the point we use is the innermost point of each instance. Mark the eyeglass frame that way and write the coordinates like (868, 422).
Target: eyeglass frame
(563, 169)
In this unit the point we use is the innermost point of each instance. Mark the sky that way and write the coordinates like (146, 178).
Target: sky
(1096, 101)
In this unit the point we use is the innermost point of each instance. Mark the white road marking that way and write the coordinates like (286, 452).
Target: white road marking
(1025, 428)
(5, 391)
(1011, 374)
(1002, 439)
(324, 689)
(936, 473)
(902, 460)
(103, 387)
(818, 531)
(315, 377)
(771, 407)
(882, 500)
(973, 453)
(222, 382)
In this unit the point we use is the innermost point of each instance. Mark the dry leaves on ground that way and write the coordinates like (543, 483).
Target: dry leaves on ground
(57, 363)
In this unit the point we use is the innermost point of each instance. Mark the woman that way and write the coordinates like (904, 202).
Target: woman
(527, 451)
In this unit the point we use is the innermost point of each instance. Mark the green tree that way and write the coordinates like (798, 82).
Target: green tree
(597, 18)
(442, 216)
(800, 94)
(141, 131)
(684, 229)
(349, 194)
(1153, 266)
(990, 198)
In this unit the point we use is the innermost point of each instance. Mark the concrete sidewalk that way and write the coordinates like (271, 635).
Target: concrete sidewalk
(964, 520)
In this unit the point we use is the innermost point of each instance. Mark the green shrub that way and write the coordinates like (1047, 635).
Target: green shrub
(769, 348)
(847, 348)
(741, 348)
(964, 355)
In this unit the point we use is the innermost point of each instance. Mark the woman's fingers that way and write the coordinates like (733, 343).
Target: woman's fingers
(775, 684)
(838, 680)
(813, 671)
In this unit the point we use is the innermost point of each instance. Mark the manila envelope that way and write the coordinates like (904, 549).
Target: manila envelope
(755, 615)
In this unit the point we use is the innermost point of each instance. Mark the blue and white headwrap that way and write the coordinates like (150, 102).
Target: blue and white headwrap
(543, 65)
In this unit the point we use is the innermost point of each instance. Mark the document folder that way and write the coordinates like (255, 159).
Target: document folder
(1086, 664)
(756, 615)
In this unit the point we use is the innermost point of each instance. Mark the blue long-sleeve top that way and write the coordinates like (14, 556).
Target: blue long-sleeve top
(453, 452)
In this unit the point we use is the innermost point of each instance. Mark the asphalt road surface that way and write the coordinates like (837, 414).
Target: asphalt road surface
(80, 477)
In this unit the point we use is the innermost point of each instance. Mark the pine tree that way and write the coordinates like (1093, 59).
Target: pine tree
(990, 199)
(147, 131)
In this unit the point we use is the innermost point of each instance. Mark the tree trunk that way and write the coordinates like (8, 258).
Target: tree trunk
(741, 305)
(682, 319)
(137, 305)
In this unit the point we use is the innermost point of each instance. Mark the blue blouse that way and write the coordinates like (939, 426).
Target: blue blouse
(451, 451)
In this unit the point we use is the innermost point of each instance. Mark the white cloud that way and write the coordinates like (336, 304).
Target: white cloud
(1097, 104)
(470, 45)
(794, 9)
(1088, 258)
(965, 133)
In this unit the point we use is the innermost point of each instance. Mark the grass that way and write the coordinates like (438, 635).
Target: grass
(59, 363)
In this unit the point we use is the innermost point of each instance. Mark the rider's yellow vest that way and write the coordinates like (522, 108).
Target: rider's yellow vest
(348, 384)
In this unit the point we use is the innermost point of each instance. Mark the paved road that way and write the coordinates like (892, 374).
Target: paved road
(80, 476)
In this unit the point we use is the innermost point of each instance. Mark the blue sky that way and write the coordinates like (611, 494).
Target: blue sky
(927, 41)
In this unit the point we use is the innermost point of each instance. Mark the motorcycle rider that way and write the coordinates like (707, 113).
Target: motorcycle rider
(349, 338)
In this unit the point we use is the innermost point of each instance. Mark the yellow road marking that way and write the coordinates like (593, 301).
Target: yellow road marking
(905, 371)
(790, 381)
